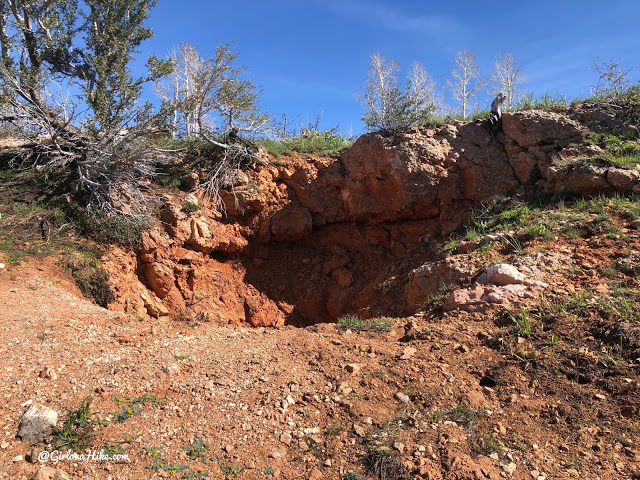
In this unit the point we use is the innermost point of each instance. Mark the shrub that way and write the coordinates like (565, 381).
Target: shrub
(119, 230)
(190, 207)
(92, 280)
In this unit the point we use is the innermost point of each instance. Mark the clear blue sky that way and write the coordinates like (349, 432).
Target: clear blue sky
(311, 55)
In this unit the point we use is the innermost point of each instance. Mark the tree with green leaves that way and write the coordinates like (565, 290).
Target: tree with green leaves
(212, 100)
(66, 77)
(389, 106)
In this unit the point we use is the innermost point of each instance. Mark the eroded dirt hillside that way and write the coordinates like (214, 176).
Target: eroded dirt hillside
(507, 348)
(309, 239)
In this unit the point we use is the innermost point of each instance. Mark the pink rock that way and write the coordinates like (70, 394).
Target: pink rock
(503, 274)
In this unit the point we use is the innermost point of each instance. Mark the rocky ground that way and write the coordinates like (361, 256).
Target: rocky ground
(444, 304)
(456, 395)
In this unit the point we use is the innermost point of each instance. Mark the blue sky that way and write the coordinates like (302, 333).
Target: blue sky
(313, 55)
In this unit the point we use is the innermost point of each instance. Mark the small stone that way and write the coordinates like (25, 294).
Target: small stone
(4, 445)
(60, 476)
(191, 198)
(17, 458)
(2, 266)
(316, 474)
(534, 474)
(407, 353)
(509, 468)
(44, 473)
(359, 430)
(49, 373)
(353, 368)
(172, 369)
(402, 397)
(399, 446)
(599, 396)
(503, 274)
(228, 448)
(33, 455)
(344, 389)
(286, 438)
(37, 423)
(278, 452)
(327, 462)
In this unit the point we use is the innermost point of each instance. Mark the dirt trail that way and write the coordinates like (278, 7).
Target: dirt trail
(280, 402)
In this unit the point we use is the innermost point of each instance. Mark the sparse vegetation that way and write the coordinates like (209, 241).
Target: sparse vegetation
(353, 322)
(385, 464)
(78, 428)
(92, 280)
(197, 450)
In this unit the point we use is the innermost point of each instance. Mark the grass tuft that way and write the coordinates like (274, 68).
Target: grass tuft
(355, 323)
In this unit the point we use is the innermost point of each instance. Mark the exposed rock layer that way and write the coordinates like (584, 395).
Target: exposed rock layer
(311, 239)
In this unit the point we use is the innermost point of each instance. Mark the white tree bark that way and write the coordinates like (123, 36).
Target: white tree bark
(466, 79)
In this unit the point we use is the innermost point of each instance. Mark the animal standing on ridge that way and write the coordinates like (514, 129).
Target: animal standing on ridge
(496, 110)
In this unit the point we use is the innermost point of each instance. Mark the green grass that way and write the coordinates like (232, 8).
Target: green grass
(451, 246)
(546, 101)
(480, 114)
(385, 464)
(333, 430)
(623, 151)
(462, 414)
(355, 323)
(521, 320)
(310, 142)
(92, 279)
(190, 207)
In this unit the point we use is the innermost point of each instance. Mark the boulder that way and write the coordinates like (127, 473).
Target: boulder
(623, 180)
(37, 424)
(537, 127)
(503, 274)
(427, 280)
(189, 181)
(586, 180)
(291, 223)
(153, 305)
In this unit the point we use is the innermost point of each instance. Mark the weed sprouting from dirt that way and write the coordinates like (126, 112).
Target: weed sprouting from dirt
(462, 414)
(230, 471)
(522, 321)
(197, 450)
(78, 429)
(385, 464)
